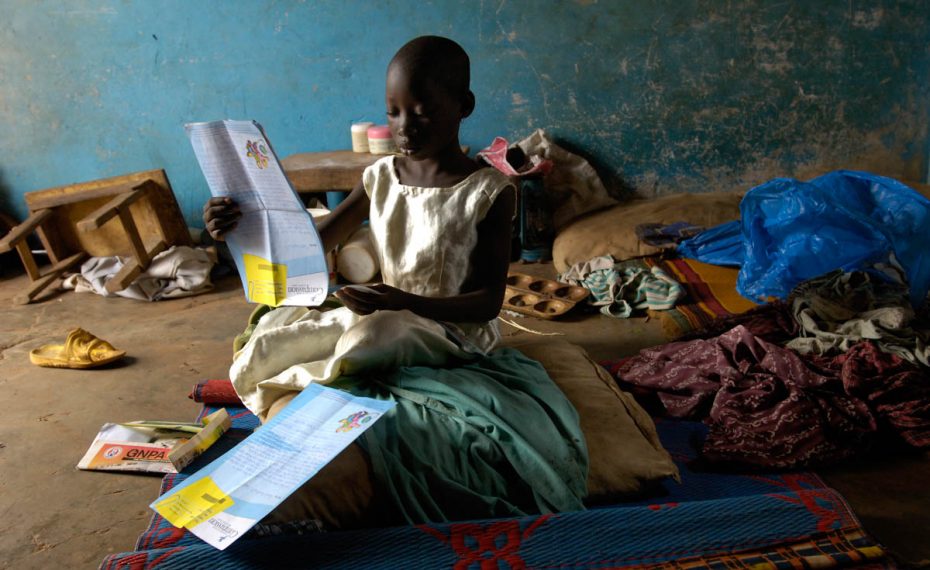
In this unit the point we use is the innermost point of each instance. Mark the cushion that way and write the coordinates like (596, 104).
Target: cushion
(613, 231)
(624, 452)
(625, 457)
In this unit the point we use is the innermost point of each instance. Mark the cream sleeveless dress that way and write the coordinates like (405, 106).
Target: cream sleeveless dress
(424, 238)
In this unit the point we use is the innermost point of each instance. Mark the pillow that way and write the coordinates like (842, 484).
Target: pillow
(613, 231)
(625, 457)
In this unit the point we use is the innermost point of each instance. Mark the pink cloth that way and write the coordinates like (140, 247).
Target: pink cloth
(496, 156)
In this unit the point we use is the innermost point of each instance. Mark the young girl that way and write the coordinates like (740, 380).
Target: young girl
(474, 434)
(441, 226)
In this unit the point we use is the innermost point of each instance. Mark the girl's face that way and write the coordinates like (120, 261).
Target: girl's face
(424, 118)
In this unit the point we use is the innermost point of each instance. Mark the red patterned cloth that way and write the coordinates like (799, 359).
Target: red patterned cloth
(763, 404)
(215, 392)
(897, 390)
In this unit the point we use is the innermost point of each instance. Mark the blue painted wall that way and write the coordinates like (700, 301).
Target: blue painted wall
(664, 96)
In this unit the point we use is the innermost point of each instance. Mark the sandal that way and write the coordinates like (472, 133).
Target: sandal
(81, 350)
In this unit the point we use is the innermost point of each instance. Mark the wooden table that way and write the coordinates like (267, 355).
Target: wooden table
(339, 170)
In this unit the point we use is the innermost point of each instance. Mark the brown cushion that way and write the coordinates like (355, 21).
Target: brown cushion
(624, 453)
(613, 231)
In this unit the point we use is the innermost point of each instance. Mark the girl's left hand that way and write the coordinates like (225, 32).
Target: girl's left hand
(366, 299)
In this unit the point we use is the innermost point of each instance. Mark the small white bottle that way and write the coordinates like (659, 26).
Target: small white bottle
(360, 136)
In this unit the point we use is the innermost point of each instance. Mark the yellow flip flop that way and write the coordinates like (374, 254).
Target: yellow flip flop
(81, 350)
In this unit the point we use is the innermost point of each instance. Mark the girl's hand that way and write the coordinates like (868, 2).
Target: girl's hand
(220, 216)
(366, 299)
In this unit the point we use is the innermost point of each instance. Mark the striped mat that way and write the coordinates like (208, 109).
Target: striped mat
(709, 520)
(711, 293)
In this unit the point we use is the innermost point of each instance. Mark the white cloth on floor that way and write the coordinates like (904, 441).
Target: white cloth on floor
(424, 238)
(179, 271)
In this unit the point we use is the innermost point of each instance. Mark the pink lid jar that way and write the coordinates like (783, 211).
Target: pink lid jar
(380, 140)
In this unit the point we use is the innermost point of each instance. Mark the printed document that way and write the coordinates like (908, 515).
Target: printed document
(276, 247)
(226, 498)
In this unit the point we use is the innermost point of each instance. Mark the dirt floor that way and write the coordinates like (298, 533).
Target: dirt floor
(52, 515)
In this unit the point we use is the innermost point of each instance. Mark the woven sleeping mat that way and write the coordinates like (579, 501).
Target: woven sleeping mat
(709, 520)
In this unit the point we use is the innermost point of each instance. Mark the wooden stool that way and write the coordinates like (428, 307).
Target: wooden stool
(74, 222)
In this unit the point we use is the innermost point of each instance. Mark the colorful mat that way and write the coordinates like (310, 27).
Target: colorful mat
(711, 293)
(710, 520)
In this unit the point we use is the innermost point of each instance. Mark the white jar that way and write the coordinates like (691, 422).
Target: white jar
(360, 136)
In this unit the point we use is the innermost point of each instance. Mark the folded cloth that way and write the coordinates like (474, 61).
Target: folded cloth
(179, 271)
(620, 289)
(215, 392)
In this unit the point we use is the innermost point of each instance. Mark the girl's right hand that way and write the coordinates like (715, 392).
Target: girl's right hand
(220, 216)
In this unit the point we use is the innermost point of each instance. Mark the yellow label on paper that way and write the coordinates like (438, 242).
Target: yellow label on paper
(266, 281)
(194, 504)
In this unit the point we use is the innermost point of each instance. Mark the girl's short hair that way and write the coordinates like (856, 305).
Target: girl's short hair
(441, 59)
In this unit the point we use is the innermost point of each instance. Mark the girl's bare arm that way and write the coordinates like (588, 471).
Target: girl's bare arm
(221, 215)
(345, 219)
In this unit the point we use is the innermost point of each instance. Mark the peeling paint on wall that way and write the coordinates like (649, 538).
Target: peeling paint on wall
(663, 97)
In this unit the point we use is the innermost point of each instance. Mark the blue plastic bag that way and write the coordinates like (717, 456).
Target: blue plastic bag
(791, 231)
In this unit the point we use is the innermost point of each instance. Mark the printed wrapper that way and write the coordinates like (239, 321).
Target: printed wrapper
(123, 447)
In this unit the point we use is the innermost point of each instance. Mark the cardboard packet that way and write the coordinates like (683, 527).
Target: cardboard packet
(153, 446)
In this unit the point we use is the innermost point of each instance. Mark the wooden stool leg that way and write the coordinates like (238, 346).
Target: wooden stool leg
(141, 256)
(43, 281)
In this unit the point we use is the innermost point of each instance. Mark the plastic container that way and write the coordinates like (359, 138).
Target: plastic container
(357, 261)
(542, 298)
(360, 136)
(536, 230)
(380, 140)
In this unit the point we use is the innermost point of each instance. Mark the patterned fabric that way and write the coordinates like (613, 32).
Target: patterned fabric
(769, 406)
(620, 289)
(764, 405)
(896, 390)
(844, 547)
(789, 520)
(710, 293)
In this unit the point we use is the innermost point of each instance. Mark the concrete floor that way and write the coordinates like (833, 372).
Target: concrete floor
(52, 515)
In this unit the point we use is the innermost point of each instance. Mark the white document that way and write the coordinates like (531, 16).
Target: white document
(225, 499)
(277, 249)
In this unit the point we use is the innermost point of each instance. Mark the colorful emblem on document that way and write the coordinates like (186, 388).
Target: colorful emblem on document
(256, 150)
(354, 421)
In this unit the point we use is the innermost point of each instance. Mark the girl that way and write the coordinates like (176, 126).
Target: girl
(441, 226)
(490, 437)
